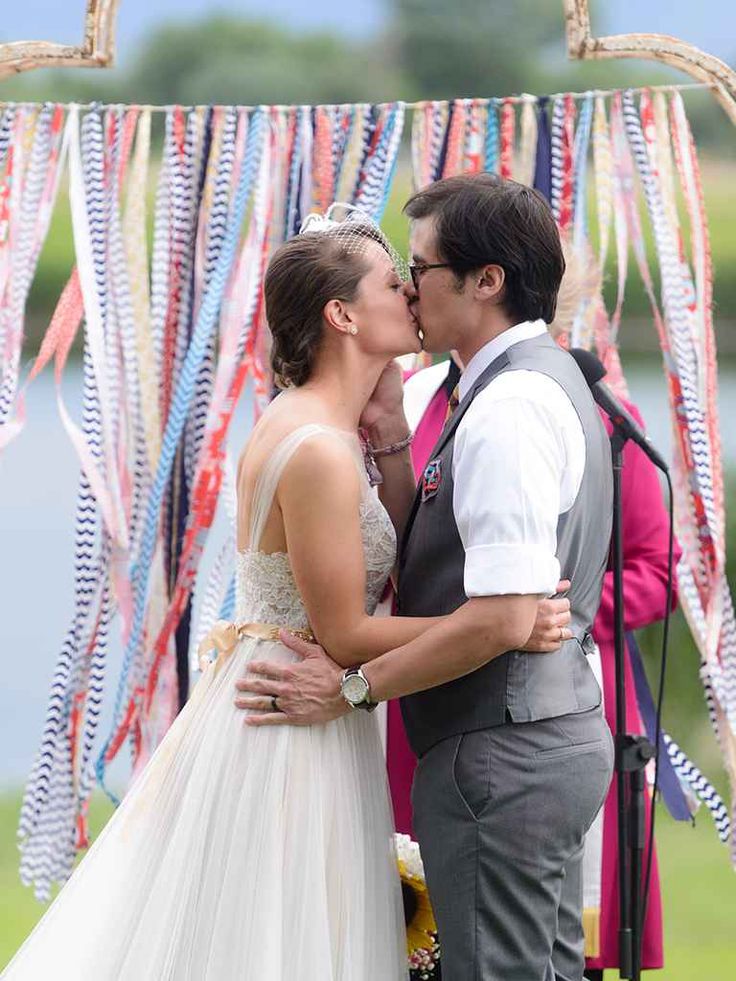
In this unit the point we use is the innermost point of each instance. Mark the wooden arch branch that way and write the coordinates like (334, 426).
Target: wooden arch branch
(655, 47)
(97, 49)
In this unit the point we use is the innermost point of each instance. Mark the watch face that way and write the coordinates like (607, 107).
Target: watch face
(354, 689)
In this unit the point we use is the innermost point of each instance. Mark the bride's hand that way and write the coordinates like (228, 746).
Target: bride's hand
(551, 627)
(386, 401)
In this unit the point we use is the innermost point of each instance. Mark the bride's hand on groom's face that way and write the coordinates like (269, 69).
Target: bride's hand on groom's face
(551, 627)
(305, 693)
(387, 398)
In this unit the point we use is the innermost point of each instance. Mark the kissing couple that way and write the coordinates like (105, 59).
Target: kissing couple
(258, 841)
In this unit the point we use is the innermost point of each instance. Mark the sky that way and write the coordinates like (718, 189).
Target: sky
(710, 24)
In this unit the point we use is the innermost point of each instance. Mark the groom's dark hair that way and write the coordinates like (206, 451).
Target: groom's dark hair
(482, 219)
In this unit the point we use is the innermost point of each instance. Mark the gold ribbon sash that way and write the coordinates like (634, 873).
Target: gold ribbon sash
(225, 636)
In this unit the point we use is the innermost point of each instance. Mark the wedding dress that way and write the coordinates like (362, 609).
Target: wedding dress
(244, 853)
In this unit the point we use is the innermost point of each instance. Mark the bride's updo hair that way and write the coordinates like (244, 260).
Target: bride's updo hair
(326, 261)
(303, 275)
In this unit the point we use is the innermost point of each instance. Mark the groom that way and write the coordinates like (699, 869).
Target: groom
(514, 755)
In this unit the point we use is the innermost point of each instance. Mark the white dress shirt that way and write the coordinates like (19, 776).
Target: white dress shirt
(517, 465)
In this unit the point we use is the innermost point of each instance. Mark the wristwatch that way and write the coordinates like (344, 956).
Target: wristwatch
(356, 690)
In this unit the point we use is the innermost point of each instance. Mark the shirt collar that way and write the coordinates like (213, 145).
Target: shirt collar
(494, 348)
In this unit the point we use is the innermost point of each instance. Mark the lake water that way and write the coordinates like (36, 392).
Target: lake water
(38, 487)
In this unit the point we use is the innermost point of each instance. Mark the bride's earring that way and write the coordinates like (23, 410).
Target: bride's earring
(353, 330)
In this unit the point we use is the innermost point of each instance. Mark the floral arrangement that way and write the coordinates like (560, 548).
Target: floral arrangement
(421, 928)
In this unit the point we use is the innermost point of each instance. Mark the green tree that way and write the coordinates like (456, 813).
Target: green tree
(492, 47)
(476, 47)
(229, 60)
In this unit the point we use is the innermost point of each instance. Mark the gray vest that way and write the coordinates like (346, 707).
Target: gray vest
(514, 686)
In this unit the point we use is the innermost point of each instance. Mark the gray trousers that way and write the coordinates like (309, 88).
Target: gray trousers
(500, 815)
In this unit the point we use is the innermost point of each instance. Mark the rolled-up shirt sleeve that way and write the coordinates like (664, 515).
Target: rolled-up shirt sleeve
(508, 466)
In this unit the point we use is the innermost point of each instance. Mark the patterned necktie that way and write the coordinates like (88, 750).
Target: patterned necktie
(452, 403)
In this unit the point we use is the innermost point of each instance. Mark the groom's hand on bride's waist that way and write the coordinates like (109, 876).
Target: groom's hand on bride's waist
(308, 692)
(304, 693)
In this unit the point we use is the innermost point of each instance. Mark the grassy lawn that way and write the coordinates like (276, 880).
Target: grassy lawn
(698, 884)
(699, 899)
(19, 911)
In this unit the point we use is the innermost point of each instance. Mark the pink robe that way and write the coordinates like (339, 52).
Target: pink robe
(645, 529)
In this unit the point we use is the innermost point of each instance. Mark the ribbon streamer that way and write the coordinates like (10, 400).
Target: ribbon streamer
(165, 365)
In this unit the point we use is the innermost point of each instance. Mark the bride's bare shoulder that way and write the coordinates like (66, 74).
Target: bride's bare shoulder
(274, 425)
(287, 415)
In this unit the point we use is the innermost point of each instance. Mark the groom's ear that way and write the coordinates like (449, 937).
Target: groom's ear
(489, 283)
(337, 316)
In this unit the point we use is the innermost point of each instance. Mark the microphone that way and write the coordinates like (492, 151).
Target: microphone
(593, 372)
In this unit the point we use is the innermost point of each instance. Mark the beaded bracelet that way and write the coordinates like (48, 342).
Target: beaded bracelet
(374, 474)
(392, 447)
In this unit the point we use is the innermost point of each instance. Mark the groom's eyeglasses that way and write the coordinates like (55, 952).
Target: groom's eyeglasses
(418, 269)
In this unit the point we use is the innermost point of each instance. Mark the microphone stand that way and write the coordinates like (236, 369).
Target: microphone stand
(632, 755)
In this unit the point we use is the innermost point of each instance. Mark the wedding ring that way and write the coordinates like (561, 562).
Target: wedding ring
(274, 704)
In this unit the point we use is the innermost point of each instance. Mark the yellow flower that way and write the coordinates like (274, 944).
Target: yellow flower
(421, 927)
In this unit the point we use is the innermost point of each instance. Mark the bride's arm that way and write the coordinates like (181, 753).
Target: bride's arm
(384, 422)
(319, 496)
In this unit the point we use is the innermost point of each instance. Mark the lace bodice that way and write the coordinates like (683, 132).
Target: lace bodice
(265, 587)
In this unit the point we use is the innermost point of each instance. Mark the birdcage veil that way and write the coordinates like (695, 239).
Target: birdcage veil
(354, 230)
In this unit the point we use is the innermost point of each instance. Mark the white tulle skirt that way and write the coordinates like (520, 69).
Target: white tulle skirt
(262, 854)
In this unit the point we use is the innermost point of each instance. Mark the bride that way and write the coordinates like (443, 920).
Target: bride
(266, 853)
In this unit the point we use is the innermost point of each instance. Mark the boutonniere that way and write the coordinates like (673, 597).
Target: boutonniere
(431, 479)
